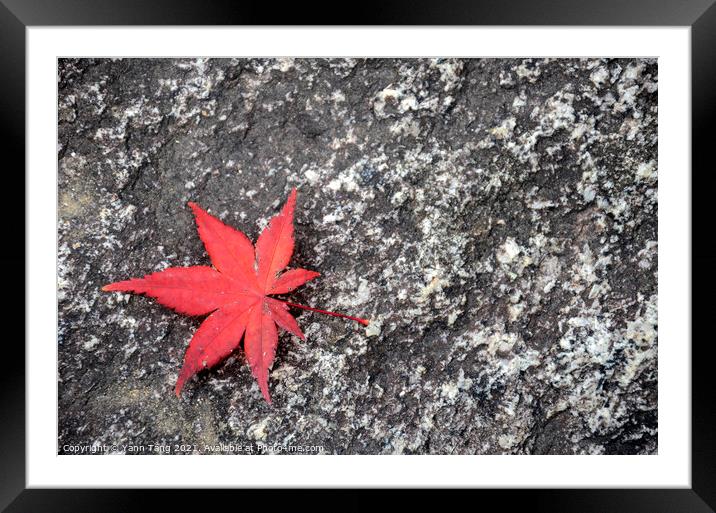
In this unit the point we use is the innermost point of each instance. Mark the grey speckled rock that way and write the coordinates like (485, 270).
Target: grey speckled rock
(497, 219)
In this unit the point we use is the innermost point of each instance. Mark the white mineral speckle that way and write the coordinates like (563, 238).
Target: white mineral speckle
(373, 329)
(599, 76)
(508, 251)
(91, 343)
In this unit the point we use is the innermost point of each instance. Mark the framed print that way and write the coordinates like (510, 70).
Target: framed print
(451, 249)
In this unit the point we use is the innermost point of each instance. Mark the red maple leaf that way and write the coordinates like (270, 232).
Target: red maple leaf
(235, 291)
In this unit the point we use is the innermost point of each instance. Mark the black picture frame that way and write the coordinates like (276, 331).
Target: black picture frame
(17, 15)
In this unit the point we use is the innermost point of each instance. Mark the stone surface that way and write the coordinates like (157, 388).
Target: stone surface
(496, 219)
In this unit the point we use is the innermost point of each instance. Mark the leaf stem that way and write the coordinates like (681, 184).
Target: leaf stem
(364, 322)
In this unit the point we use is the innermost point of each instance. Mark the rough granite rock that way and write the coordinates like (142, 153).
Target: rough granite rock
(495, 218)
